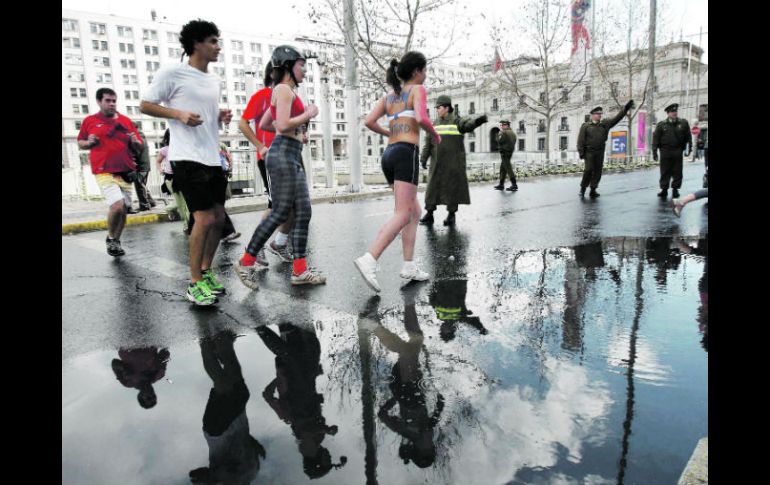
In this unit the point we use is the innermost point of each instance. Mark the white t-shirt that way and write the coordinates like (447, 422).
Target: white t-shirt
(185, 88)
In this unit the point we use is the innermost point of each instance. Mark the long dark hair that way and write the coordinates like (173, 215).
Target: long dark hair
(404, 69)
(277, 74)
(267, 81)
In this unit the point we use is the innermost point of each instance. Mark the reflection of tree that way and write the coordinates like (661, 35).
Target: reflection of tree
(297, 365)
(233, 452)
(140, 368)
(638, 306)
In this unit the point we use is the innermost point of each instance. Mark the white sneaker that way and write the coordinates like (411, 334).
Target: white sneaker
(368, 268)
(677, 206)
(308, 278)
(248, 274)
(414, 273)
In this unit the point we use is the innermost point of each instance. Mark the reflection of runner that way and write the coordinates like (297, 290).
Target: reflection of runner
(297, 364)
(140, 368)
(233, 452)
(413, 423)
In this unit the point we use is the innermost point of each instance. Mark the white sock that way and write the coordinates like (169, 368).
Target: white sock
(281, 239)
(409, 265)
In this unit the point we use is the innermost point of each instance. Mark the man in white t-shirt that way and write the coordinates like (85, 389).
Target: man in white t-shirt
(190, 96)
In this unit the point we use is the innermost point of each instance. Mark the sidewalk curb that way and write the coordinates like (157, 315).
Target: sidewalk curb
(697, 470)
(90, 226)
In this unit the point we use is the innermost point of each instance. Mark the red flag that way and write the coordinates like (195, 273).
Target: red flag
(498, 61)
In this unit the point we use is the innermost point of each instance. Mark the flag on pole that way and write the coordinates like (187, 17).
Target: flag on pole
(581, 40)
(498, 61)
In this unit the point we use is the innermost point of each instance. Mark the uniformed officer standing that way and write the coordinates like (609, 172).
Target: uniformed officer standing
(591, 142)
(447, 179)
(671, 137)
(506, 140)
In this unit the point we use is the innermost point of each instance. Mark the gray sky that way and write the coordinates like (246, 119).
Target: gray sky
(265, 18)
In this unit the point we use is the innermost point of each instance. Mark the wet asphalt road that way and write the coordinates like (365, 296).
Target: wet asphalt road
(535, 380)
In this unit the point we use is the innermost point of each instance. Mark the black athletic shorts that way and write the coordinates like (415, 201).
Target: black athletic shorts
(201, 185)
(401, 161)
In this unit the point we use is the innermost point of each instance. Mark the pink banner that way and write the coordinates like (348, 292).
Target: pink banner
(641, 134)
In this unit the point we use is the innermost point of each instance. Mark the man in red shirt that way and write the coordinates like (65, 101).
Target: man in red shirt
(108, 134)
(258, 105)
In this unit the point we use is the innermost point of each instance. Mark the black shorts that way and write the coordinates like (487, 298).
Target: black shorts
(263, 172)
(202, 186)
(401, 161)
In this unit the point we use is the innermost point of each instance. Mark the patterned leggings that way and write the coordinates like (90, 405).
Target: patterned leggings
(288, 190)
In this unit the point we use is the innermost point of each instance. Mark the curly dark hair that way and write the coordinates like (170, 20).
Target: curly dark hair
(196, 31)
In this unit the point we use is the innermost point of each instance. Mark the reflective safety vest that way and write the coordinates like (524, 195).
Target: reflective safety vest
(444, 130)
(444, 313)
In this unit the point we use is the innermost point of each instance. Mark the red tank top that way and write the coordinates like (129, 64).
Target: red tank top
(297, 108)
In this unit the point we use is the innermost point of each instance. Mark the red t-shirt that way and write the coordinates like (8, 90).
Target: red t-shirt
(258, 104)
(111, 154)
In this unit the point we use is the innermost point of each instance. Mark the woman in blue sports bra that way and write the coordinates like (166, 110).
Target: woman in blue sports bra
(406, 110)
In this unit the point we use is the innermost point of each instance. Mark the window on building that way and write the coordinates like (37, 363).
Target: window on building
(703, 112)
(149, 34)
(236, 45)
(99, 45)
(341, 116)
(522, 127)
(563, 125)
(495, 106)
(69, 25)
(255, 47)
(541, 144)
(73, 59)
(369, 151)
(125, 31)
(224, 98)
(98, 29)
(522, 100)
(151, 50)
(127, 48)
(542, 97)
(243, 144)
(78, 124)
(521, 145)
(70, 42)
(339, 92)
(565, 96)
(77, 77)
(472, 147)
(562, 143)
(587, 94)
(541, 126)
(102, 61)
(128, 64)
(614, 88)
(472, 108)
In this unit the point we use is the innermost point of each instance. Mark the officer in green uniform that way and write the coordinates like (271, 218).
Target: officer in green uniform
(447, 180)
(591, 142)
(672, 137)
(506, 141)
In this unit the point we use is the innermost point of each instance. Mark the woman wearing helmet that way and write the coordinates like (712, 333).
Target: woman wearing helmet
(406, 109)
(286, 173)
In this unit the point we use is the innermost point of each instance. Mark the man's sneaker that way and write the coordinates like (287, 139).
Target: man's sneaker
(594, 194)
(582, 191)
(280, 251)
(512, 188)
(200, 294)
(414, 273)
(308, 278)
(675, 194)
(211, 281)
(231, 237)
(113, 248)
(499, 187)
(677, 206)
(368, 269)
(663, 193)
(248, 274)
(261, 258)
(450, 219)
